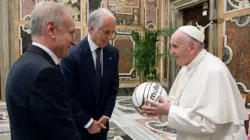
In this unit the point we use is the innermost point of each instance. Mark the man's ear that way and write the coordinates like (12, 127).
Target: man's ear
(193, 47)
(50, 29)
(91, 28)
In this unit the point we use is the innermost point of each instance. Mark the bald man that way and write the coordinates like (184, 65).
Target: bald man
(205, 102)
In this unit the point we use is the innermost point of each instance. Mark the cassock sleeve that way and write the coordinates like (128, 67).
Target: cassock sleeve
(184, 120)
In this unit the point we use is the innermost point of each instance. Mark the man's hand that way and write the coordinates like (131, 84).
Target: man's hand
(161, 108)
(95, 127)
(103, 120)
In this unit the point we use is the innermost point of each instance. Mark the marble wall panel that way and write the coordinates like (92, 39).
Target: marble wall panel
(238, 40)
(26, 7)
(165, 13)
(75, 6)
(125, 42)
(151, 13)
(127, 12)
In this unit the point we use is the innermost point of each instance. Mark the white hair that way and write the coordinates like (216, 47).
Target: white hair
(96, 17)
(44, 12)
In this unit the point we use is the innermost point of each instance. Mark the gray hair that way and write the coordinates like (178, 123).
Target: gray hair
(96, 17)
(44, 12)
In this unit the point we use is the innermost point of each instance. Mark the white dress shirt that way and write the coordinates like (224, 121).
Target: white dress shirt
(47, 50)
(93, 47)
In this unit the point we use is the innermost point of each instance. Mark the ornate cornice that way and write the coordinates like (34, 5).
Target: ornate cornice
(181, 4)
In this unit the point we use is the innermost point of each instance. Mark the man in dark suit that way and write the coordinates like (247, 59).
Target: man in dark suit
(91, 71)
(36, 93)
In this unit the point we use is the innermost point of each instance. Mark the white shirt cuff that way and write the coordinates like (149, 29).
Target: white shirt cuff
(106, 117)
(89, 123)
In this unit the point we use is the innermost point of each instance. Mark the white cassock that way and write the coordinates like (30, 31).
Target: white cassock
(206, 102)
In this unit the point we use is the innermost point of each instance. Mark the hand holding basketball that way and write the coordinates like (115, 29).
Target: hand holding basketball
(160, 108)
(147, 91)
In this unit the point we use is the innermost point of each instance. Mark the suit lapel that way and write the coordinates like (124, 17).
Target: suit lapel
(41, 52)
(89, 68)
(88, 64)
(106, 62)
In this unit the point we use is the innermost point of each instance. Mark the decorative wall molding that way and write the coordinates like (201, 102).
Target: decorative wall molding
(225, 43)
(26, 29)
(87, 10)
(73, 5)
(29, 7)
(240, 23)
(116, 3)
(125, 77)
(129, 75)
(235, 5)
(151, 25)
(230, 57)
(244, 87)
(124, 32)
(181, 4)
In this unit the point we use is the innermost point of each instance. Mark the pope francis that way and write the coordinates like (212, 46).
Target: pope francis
(204, 102)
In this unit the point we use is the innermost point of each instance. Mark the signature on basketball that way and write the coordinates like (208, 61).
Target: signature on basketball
(155, 91)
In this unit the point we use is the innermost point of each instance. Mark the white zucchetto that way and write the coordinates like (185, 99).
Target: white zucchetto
(195, 32)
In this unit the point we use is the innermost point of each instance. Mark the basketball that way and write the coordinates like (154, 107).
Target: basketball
(147, 90)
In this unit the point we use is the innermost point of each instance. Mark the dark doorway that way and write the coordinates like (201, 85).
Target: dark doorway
(94, 4)
(192, 15)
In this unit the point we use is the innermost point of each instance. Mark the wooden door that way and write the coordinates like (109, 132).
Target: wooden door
(194, 14)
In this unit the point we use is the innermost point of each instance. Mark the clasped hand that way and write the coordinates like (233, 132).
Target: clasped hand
(96, 126)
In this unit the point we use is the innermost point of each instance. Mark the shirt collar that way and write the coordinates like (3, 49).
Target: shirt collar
(92, 45)
(196, 60)
(47, 50)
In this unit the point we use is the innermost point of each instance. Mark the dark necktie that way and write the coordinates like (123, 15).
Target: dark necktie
(58, 67)
(98, 68)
